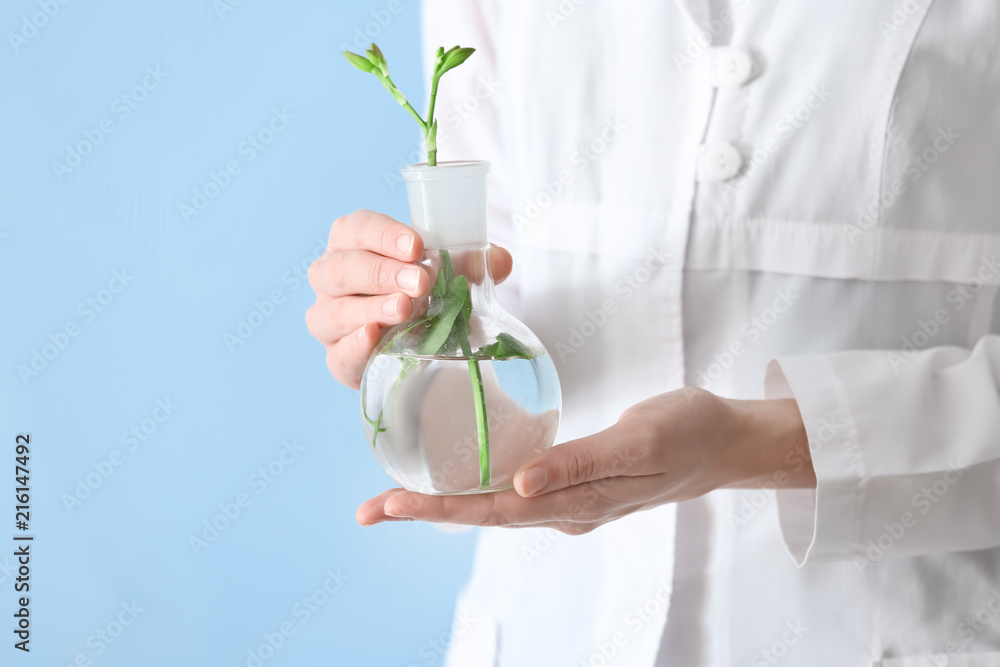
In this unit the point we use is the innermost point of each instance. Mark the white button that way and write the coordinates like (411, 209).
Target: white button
(719, 162)
(732, 66)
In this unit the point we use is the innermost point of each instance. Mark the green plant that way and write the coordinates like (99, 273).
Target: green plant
(444, 329)
(374, 62)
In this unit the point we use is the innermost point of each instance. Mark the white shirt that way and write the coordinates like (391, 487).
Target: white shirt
(764, 199)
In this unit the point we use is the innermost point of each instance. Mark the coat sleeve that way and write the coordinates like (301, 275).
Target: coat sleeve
(469, 105)
(906, 448)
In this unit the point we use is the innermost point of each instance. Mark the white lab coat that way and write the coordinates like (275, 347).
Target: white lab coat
(807, 208)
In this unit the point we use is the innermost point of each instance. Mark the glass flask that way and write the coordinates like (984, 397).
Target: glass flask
(459, 396)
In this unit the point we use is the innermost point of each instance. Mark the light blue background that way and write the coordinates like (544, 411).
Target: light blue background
(162, 336)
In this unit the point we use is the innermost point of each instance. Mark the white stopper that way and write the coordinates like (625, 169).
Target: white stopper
(448, 202)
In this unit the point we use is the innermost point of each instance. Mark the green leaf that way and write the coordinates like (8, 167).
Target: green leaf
(441, 327)
(505, 347)
(467, 302)
(458, 339)
(446, 267)
(444, 277)
(454, 57)
(360, 62)
(449, 53)
(376, 58)
(459, 56)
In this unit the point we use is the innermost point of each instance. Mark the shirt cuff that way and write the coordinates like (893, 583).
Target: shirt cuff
(821, 524)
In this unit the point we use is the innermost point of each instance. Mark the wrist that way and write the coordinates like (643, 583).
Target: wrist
(766, 445)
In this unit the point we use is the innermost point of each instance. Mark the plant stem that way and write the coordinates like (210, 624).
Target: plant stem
(476, 375)
(434, 93)
(428, 126)
(376, 424)
(390, 86)
(482, 426)
(447, 274)
(413, 112)
(430, 131)
(430, 139)
(406, 366)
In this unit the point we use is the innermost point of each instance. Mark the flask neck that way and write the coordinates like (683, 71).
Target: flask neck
(445, 265)
(448, 202)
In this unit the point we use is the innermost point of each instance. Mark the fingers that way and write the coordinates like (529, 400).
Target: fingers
(371, 512)
(364, 283)
(472, 509)
(347, 358)
(602, 455)
(501, 263)
(353, 272)
(329, 320)
(596, 501)
(503, 508)
(378, 233)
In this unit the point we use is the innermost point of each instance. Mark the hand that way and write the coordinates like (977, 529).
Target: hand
(669, 448)
(364, 283)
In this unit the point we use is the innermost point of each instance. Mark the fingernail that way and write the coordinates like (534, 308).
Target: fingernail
(408, 278)
(363, 333)
(533, 480)
(399, 513)
(391, 307)
(405, 243)
(405, 506)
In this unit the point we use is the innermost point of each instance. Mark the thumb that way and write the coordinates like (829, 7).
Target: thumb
(574, 462)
